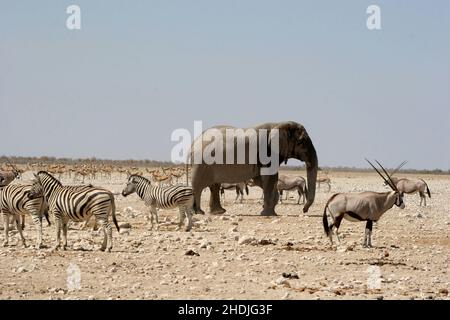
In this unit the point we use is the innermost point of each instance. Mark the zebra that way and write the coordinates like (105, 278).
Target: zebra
(14, 202)
(67, 203)
(166, 197)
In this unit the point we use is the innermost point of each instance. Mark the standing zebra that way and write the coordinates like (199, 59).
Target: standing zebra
(162, 197)
(14, 201)
(65, 202)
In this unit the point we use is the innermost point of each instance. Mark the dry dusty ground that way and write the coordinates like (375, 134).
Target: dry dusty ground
(410, 258)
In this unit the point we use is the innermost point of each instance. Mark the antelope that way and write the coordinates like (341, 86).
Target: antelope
(239, 187)
(365, 206)
(6, 177)
(326, 180)
(286, 183)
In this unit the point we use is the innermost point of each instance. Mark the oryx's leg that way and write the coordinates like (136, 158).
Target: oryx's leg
(280, 198)
(329, 187)
(368, 234)
(237, 195)
(337, 224)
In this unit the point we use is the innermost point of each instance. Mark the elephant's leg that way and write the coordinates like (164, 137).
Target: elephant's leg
(214, 200)
(198, 189)
(269, 185)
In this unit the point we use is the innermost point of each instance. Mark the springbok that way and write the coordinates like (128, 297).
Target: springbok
(325, 180)
(364, 206)
(287, 183)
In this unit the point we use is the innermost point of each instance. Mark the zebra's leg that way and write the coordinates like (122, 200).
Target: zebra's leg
(65, 227)
(19, 228)
(182, 216)
(6, 228)
(58, 224)
(155, 216)
(37, 219)
(189, 212)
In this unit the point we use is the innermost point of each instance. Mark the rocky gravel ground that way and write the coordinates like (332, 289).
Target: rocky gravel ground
(241, 255)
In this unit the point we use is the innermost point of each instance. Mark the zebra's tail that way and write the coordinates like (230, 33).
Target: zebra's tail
(113, 212)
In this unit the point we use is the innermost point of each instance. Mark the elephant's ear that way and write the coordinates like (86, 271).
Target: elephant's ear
(284, 134)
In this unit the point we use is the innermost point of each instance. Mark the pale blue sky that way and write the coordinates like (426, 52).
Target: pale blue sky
(140, 69)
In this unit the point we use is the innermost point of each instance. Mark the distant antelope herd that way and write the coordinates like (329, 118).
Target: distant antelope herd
(47, 195)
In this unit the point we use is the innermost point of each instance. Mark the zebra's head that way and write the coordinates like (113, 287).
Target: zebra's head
(131, 186)
(36, 191)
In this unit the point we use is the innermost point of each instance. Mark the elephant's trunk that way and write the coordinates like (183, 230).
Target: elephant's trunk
(311, 169)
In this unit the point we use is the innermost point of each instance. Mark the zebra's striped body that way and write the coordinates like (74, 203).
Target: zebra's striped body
(162, 197)
(14, 201)
(77, 204)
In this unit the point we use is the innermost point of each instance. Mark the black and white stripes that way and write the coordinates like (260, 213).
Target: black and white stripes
(78, 204)
(14, 201)
(162, 197)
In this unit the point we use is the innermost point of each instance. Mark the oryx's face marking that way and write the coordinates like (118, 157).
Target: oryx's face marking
(399, 200)
(130, 187)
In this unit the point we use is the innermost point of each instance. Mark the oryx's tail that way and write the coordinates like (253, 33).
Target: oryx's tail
(428, 190)
(246, 188)
(326, 227)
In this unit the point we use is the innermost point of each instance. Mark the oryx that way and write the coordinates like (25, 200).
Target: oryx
(364, 206)
(239, 187)
(411, 186)
(289, 183)
(6, 177)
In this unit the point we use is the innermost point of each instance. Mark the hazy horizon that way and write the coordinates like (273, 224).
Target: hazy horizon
(117, 88)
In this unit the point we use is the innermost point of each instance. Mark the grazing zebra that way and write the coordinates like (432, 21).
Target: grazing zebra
(14, 201)
(167, 197)
(69, 203)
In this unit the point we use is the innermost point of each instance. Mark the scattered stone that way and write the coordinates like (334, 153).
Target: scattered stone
(443, 291)
(290, 275)
(282, 281)
(265, 242)
(191, 253)
(125, 225)
(246, 240)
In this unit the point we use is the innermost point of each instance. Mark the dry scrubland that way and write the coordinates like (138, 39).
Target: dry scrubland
(243, 255)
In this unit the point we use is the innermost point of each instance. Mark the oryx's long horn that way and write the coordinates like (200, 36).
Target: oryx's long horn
(393, 186)
(398, 168)
(386, 180)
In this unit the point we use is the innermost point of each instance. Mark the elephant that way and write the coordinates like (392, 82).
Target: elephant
(293, 142)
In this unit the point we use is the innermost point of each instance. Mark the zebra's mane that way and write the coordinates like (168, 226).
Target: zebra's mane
(48, 175)
(141, 178)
